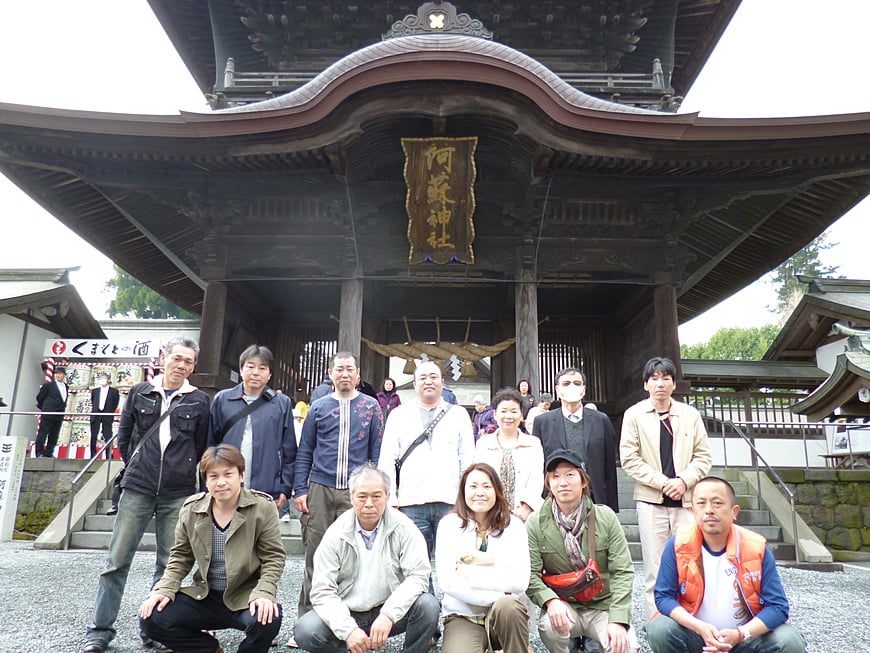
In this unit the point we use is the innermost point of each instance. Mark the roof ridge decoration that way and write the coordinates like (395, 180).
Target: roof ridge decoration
(437, 18)
(438, 43)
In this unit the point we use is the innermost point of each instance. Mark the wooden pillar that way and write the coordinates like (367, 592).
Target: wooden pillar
(526, 311)
(503, 367)
(667, 339)
(375, 367)
(350, 318)
(211, 335)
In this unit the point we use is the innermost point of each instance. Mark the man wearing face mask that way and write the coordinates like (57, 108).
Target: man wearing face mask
(587, 433)
(104, 400)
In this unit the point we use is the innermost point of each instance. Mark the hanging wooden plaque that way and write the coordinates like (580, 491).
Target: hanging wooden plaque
(440, 174)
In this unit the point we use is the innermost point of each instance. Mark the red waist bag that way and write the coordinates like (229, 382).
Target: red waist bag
(582, 584)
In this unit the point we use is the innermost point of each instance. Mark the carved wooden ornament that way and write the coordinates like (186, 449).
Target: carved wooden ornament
(440, 174)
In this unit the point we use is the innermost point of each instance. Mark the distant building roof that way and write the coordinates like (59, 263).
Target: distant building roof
(840, 390)
(809, 326)
(45, 298)
(752, 373)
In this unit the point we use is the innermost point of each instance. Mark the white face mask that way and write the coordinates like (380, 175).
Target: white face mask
(571, 394)
(102, 381)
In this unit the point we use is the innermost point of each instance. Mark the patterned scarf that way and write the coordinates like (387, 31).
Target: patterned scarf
(572, 526)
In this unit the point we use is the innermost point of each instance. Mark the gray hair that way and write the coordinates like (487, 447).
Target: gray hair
(182, 341)
(367, 470)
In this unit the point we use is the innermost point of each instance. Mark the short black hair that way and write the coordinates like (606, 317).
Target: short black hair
(717, 479)
(569, 370)
(507, 394)
(257, 351)
(659, 365)
(343, 354)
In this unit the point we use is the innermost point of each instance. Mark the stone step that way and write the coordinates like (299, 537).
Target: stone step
(753, 518)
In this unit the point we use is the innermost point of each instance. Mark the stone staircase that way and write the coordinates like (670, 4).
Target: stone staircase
(751, 514)
(97, 529)
(97, 532)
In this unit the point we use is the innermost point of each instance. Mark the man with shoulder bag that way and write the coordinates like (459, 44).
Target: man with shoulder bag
(161, 437)
(581, 569)
(259, 422)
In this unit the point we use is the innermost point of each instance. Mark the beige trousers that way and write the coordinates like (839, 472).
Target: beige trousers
(506, 629)
(656, 524)
(587, 623)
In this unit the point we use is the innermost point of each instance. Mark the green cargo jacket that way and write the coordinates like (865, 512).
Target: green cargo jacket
(254, 551)
(547, 555)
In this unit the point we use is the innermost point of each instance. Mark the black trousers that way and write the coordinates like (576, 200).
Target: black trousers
(104, 421)
(181, 624)
(46, 437)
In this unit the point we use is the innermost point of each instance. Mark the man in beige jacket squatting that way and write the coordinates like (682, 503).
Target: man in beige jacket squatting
(664, 448)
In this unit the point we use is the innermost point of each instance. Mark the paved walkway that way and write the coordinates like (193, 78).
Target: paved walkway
(47, 598)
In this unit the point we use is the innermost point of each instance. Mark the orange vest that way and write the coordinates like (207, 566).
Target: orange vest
(744, 549)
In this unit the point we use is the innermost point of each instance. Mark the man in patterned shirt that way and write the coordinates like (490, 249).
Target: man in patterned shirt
(341, 432)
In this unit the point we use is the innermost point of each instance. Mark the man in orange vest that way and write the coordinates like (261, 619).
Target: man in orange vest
(718, 588)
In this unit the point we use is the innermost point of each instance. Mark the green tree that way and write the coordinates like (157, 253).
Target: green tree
(733, 343)
(135, 299)
(805, 261)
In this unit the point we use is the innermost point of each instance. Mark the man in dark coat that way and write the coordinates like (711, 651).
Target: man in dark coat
(104, 400)
(51, 398)
(585, 431)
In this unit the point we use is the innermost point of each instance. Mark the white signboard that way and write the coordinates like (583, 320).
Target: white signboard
(72, 349)
(855, 439)
(12, 452)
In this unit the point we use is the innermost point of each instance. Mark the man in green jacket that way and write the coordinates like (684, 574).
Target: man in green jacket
(234, 536)
(559, 544)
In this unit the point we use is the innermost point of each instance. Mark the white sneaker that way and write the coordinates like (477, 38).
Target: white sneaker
(291, 643)
(285, 518)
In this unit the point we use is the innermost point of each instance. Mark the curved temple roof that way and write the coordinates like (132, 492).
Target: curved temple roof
(583, 191)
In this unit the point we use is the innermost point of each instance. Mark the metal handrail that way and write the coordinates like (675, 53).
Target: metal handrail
(14, 413)
(778, 478)
(77, 478)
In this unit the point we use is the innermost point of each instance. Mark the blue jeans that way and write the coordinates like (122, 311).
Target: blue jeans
(313, 635)
(183, 625)
(135, 510)
(667, 636)
(426, 517)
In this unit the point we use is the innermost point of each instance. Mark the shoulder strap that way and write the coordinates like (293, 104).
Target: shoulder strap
(153, 429)
(244, 412)
(425, 434)
(590, 528)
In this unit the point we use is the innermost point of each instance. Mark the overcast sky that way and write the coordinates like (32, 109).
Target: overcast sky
(777, 58)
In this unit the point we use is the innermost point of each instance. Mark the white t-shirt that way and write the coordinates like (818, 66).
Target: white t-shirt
(722, 605)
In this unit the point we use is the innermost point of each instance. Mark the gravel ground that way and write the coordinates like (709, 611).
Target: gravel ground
(47, 599)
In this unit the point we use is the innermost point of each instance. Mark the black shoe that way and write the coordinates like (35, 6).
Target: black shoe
(114, 511)
(147, 642)
(96, 646)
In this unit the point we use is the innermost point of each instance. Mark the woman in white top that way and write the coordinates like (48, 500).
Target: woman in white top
(482, 562)
(517, 457)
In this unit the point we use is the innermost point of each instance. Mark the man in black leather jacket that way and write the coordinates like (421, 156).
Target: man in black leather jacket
(160, 473)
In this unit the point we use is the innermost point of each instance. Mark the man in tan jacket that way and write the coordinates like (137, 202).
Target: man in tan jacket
(664, 448)
(234, 537)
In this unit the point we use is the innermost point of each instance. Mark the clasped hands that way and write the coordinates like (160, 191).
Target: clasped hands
(379, 633)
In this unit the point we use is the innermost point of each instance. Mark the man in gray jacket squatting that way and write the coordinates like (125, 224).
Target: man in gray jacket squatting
(371, 575)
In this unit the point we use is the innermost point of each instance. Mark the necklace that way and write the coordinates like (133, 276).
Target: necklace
(482, 538)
